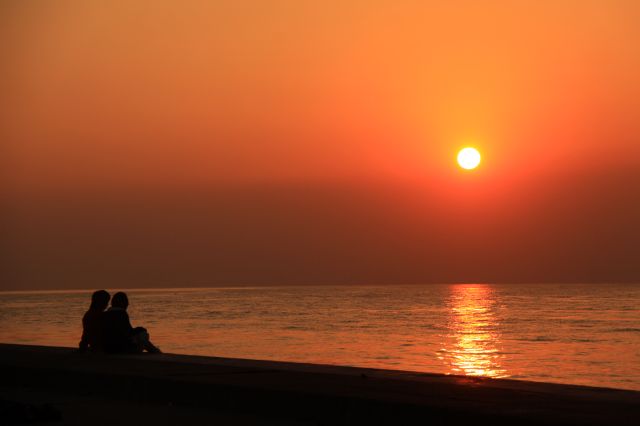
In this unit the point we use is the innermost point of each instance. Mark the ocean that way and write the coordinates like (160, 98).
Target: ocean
(583, 334)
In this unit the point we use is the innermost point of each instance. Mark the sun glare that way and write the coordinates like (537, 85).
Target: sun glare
(469, 158)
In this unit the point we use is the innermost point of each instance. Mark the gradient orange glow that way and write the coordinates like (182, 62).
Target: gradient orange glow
(313, 140)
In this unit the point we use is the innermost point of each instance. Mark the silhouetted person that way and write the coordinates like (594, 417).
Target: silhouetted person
(118, 336)
(92, 322)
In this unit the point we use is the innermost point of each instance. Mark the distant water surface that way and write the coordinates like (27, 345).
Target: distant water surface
(580, 334)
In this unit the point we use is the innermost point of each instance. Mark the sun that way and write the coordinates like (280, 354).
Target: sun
(469, 158)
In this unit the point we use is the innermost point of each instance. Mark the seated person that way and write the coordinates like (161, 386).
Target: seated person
(118, 336)
(91, 322)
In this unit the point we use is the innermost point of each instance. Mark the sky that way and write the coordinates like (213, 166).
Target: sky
(195, 143)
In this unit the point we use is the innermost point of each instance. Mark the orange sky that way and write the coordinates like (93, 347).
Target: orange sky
(329, 130)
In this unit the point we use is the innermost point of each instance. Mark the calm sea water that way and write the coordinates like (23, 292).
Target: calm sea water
(581, 334)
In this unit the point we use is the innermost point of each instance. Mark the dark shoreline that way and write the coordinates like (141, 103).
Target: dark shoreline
(234, 391)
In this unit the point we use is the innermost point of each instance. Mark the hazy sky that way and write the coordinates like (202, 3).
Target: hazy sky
(157, 143)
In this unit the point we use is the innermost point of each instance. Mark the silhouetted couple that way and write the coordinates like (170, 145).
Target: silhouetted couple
(110, 331)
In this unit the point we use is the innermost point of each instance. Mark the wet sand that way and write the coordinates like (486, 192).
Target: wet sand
(180, 389)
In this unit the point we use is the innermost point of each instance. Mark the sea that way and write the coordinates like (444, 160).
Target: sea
(583, 334)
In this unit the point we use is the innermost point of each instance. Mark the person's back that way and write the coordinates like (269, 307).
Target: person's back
(92, 330)
(116, 329)
(92, 322)
(117, 333)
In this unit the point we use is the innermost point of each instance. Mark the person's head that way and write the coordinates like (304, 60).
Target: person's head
(120, 300)
(100, 300)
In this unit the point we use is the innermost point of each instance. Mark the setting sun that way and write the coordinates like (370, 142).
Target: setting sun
(469, 158)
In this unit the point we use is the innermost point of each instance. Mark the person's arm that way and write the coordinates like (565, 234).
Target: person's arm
(128, 323)
(84, 340)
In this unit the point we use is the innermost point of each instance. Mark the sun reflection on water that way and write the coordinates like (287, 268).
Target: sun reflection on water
(472, 342)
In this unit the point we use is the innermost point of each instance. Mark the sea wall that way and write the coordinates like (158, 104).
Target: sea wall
(316, 394)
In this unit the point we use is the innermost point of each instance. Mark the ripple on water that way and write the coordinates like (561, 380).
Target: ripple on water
(578, 334)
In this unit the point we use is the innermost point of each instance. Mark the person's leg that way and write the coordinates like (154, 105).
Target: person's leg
(142, 341)
(137, 341)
